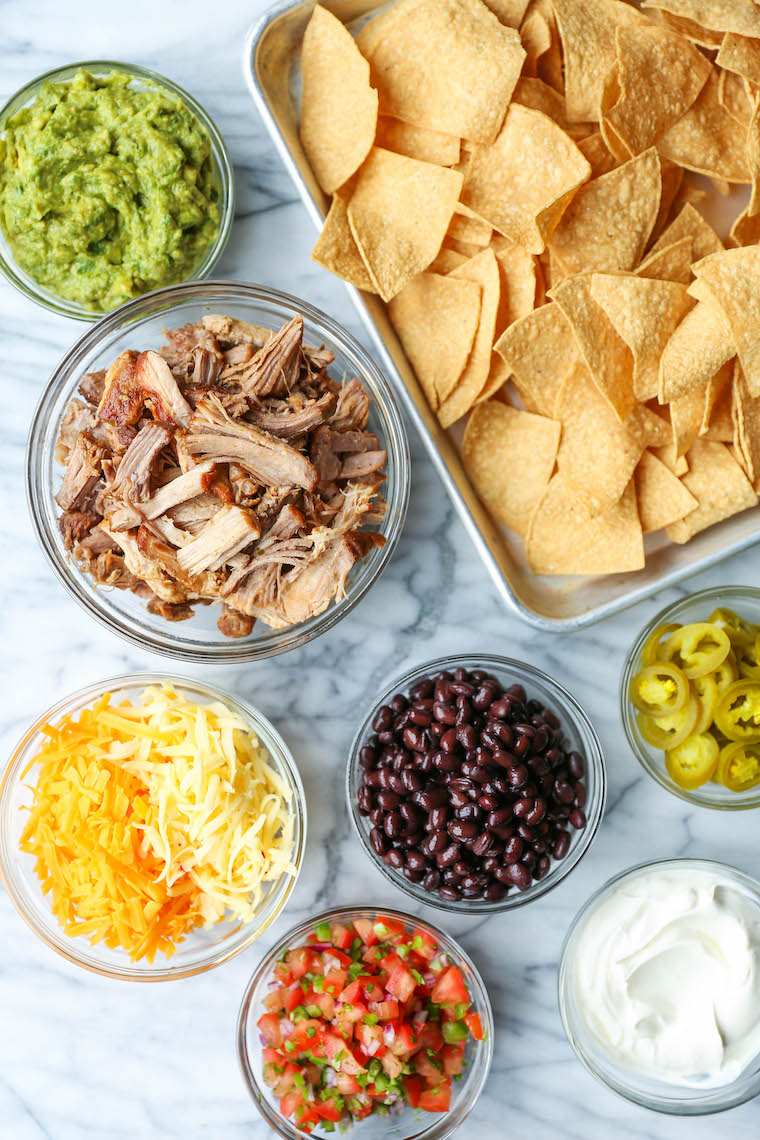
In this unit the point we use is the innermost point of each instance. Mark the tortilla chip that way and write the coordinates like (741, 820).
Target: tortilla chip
(338, 106)
(587, 29)
(746, 228)
(690, 223)
(536, 38)
(608, 223)
(645, 313)
(707, 139)
(718, 484)
(564, 539)
(399, 213)
(740, 16)
(594, 150)
(517, 272)
(670, 263)
(720, 428)
(598, 453)
(336, 249)
(675, 463)
(373, 31)
(733, 95)
(745, 415)
(509, 456)
(697, 33)
(541, 350)
(698, 348)
(523, 181)
(436, 319)
(662, 498)
(539, 96)
(660, 74)
(484, 271)
(509, 12)
(498, 377)
(447, 65)
(720, 383)
(733, 279)
(417, 142)
(447, 260)
(686, 417)
(607, 355)
(466, 227)
(740, 54)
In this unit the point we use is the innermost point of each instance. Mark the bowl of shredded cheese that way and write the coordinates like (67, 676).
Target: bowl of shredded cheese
(151, 827)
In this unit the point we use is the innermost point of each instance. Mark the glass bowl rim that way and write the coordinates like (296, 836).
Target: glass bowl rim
(48, 300)
(162, 641)
(337, 913)
(667, 1105)
(710, 593)
(594, 760)
(273, 742)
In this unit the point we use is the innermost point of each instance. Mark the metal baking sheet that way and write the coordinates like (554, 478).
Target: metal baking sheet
(271, 63)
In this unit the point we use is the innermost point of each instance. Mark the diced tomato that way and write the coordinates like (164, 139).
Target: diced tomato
(394, 928)
(273, 1066)
(372, 989)
(293, 998)
(450, 988)
(404, 1041)
(428, 1067)
(353, 1013)
(430, 1037)
(334, 957)
(328, 1110)
(347, 1086)
(366, 931)
(306, 1117)
(286, 1081)
(386, 1010)
(343, 1028)
(306, 1037)
(335, 982)
(269, 1026)
(290, 1102)
(401, 983)
(360, 1110)
(275, 1001)
(392, 1065)
(335, 1047)
(437, 1098)
(475, 1026)
(351, 993)
(423, 945)
(413, 1089)
(341, 936)
(453, 1058)
(300, 961)
(371, 1037)
(283, 973)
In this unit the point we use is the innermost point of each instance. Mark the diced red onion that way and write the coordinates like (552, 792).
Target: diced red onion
(389, 1034)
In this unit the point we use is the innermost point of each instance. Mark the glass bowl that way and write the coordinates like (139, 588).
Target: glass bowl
(203, 948)
(696, 607)
(580, 736)
(641, 1089)
(138, 324)
(220, 158)
(410, 1124)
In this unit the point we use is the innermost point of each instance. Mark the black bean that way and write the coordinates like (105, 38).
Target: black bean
(388, 800)
(394, 858)
(364, 800)
(438, 818)
(541, 868)
(412, 780)
(422, 688)
(561, 845)
(519, 875)
(451, 894)
(525, 831)
(580, 796)
(576, 765)
(411, 873)
(416, 860)
(459, 829)
(513, 849)
(368, 757)
(563, 792)
(376, 816)
(444, 712)
(522, 807)
(393, 825)
(378, 841)
(415, 739)
(517, 775)
(481, 844)
(448, 856)
(494, 892)
(577, 818)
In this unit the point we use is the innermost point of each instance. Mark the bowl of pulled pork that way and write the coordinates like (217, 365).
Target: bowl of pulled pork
(217, 471)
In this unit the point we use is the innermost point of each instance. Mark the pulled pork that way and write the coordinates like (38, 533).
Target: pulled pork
(226, 467)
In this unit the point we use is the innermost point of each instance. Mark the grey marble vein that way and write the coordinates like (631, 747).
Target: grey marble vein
(84, 1057)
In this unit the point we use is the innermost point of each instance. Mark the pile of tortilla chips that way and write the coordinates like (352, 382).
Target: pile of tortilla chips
(519, 181)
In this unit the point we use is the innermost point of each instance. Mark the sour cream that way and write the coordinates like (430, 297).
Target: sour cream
(666, 973)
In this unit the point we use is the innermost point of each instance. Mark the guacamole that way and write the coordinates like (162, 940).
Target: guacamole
(106, 190)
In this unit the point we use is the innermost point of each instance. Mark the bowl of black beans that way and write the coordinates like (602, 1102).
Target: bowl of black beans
(476, 783)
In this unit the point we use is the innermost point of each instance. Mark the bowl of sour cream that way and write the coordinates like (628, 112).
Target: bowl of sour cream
(659, 986)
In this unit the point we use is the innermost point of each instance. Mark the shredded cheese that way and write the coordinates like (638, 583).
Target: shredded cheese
(149, 820)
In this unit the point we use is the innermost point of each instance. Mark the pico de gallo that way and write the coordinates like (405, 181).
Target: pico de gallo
(365, 1017)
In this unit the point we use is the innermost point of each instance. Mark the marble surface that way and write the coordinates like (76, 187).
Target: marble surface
(84, 1057)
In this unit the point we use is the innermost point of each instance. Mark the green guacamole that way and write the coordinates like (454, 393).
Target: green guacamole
(106, 191)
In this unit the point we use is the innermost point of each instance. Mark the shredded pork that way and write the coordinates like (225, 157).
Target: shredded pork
(226, 467)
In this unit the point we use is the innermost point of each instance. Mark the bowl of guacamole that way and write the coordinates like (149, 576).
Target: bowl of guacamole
(113, 182)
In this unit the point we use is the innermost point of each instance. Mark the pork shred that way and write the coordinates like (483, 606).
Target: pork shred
(226, 467)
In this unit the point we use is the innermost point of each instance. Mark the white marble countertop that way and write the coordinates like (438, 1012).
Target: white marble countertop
(85, 1057)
